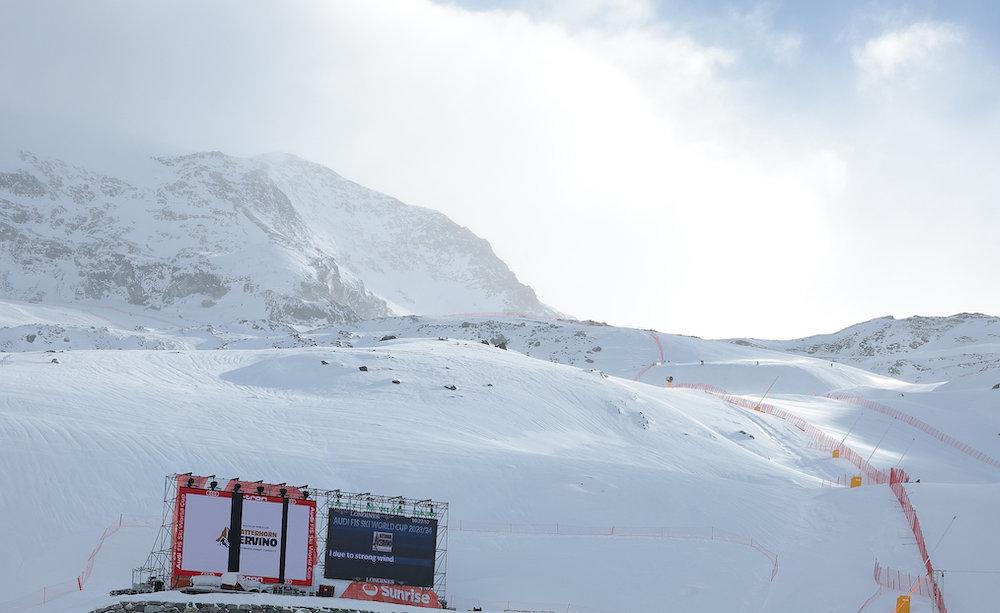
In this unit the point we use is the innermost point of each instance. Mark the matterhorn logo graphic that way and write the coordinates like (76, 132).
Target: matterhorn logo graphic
(223, 539)
(370, 590)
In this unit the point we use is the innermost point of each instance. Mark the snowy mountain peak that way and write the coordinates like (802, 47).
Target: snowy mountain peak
(212, 238)
(890, 336)
(918, 348)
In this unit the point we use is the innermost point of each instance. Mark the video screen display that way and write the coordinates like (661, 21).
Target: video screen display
(379, 547)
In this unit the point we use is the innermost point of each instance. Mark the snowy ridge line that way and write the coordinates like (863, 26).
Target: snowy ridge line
(820, 439)
(50, 592)
(709, 533)
(498, 314)
(919, 424)
(652, 333)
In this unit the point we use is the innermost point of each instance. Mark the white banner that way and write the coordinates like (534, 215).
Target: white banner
(260, 542)
(297, 551)
(206, 533)
(201, 541)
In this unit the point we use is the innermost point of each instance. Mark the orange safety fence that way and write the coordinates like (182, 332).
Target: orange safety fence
(896, 485)
(871, 599)
(892, 580)
(895, 477)
(644, 370)
(50, 592)
(663, 532)
(659, 345)
(919, 424)
(53, 591)
(819, 438)
(898, 581)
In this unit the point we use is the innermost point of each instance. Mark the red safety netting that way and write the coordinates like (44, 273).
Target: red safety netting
(896, 485)
(818, 437)
(55, 590)
(919, 424)
(871, 599)
(895, 477)
(898, 581)
(659, 345)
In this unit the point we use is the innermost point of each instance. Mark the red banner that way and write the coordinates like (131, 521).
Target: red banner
(396, 594)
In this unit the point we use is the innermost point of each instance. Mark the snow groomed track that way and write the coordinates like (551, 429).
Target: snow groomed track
(519, 442)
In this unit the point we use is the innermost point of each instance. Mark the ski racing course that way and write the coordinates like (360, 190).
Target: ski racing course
(573, 489)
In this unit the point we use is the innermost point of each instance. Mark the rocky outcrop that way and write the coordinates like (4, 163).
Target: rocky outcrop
(213, 238)
(919, 349)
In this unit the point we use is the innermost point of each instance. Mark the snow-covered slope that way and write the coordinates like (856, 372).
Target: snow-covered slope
(521, 440)
(212, 238)
(518, 441)
(624, 352)
(963, 349)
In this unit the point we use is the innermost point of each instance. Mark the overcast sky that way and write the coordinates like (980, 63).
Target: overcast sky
(714, 168)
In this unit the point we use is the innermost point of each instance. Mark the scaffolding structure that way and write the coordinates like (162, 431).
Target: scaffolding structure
(159, 563)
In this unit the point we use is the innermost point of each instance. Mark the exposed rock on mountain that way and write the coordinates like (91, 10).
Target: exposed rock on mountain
(213, 238)
(919, 349)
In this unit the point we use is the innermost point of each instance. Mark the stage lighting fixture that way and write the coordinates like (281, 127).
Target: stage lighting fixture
(190, 482)
(283, 492)
(305, 495)
(237, 487)
(213, 484)
(260, 490)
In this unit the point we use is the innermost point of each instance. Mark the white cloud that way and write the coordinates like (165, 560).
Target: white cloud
(604, 13)
(758, 23)
(619, 166)
(901, 53)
